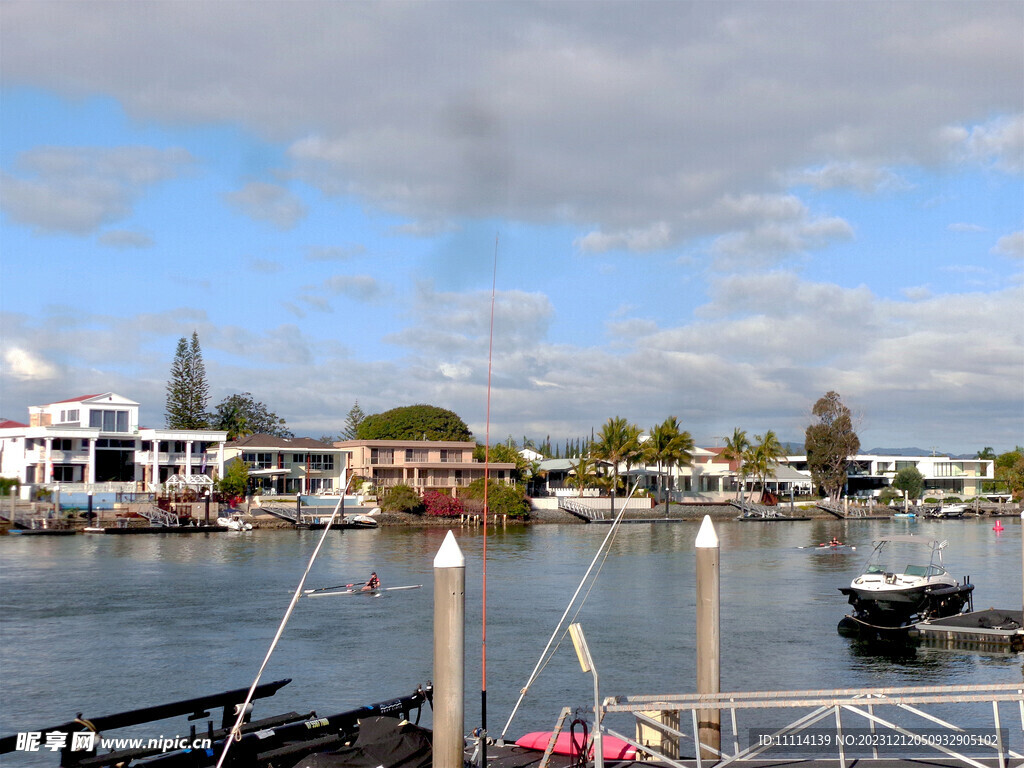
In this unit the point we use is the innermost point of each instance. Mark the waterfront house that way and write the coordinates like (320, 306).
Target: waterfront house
(95, 443)
(421, 464)
(289, 465)
(944, 475)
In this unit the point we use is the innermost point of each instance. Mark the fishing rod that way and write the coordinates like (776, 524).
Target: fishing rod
(487, 482)
(612, 529)
(236, 730)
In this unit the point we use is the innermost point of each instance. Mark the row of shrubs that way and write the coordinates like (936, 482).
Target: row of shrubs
(502, 499)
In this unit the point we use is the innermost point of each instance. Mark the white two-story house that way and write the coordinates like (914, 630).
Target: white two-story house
(95, 442)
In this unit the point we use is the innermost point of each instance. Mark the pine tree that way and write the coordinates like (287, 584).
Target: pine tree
(200, 393)
(352, 421)
(187, 389)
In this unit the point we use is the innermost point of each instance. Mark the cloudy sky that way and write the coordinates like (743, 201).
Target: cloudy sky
(717, 211)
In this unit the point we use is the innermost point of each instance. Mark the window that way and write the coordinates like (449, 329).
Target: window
(70, 416)
(259, 460)
(451, 455)
(109, 421)
(298, 458)
(62, 445)
(63, 473)
(321, 461)
(415, 455)
(382, 456)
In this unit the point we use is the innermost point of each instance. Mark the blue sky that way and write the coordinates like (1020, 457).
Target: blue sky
(717, 211)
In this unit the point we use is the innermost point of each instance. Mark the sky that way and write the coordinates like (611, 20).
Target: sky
(717, 211)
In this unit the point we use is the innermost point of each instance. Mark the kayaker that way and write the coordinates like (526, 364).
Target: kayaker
(373, 583)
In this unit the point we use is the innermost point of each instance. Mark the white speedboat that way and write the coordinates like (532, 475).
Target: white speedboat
(904, 582)
(235, 522)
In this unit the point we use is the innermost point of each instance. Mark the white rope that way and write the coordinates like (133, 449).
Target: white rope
(541, 661)
(236, 729)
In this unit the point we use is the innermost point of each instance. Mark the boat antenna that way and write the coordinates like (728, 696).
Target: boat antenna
(544, 656)
(236, 729)
(487, 482)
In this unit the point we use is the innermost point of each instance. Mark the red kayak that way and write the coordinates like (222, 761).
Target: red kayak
(613, 748)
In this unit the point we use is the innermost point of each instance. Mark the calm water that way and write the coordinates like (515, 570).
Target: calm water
(100, 624)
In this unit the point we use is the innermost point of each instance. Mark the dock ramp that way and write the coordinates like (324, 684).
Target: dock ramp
(845, 727)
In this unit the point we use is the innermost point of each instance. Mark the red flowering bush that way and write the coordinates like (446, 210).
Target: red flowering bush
(441, 504)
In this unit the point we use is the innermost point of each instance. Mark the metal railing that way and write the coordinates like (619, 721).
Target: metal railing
(581, 510)
(159, 517)
(882, 734)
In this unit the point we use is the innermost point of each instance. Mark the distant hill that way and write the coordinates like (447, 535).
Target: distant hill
(902, 452)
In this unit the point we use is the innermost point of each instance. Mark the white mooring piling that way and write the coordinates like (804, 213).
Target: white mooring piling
(709, 725)
(449, 653)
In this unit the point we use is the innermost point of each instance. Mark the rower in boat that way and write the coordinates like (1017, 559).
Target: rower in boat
(373, 584)
(833, 543)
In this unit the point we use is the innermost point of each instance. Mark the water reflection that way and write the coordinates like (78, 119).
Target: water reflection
(115, 622)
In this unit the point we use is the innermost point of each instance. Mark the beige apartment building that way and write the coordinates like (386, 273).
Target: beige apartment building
(421, 464)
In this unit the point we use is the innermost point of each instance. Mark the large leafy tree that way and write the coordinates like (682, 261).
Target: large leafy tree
(187, 389)
(502, 499)
(736, 448)
(910, 480)
(1009, 469)
(668, 447)
(241, 414)
(236, 479)
(830, 442)
(502, 453)
(414, 422)
(618, 443)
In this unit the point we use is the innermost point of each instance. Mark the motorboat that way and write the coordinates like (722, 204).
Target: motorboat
(904, 582)
(359, 521)
(235, 522)
(948, 512)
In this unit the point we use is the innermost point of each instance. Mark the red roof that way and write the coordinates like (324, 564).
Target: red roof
(8, 424)
(79, 399)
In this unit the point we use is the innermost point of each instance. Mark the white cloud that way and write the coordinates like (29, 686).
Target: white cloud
(654, 237)
(1011, 245)
(999, 143)
(78, 190)
(917, 292)
(618, 120)
(268, 202)
(123, 238)
(334, 253)
(854, 175)
(26, 365)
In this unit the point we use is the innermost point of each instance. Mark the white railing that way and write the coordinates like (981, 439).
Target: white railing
(159, 517)
(899, 734)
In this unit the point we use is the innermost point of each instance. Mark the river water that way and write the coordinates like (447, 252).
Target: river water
(101, 624)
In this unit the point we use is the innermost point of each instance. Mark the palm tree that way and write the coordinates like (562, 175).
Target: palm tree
(618, 443)
(764, 456)
(736, 450)
(668, 447)
(582, 473)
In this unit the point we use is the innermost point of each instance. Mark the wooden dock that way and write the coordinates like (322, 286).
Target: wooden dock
(165, 529)
(991, 629)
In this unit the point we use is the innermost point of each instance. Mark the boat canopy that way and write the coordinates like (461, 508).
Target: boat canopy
(909, 538)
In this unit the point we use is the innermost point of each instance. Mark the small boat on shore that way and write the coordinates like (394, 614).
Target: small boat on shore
(767, 515)
(235, 522)
(359, 521)
(950, 512)
(904, 582)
